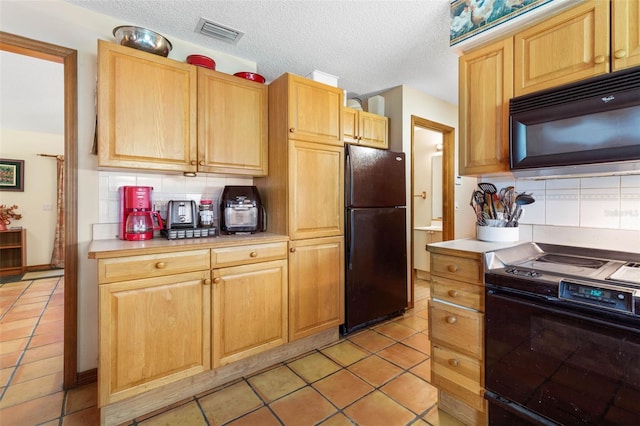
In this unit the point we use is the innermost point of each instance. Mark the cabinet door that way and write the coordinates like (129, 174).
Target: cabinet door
(625, 33)
(571, 46)
(373, 130)
(316, 286)
(316, 190)
(232, 124)
(486, 85)
(315, 111)
(350, 125)
(152, 332)
(146, 110)
(249, 310)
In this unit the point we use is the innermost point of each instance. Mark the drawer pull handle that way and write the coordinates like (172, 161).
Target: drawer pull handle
(216, 280)
(452, 268)
(451, 319)
(161, 265)
(454, 362)
(599, 59)
(453, 293)
(254, 254)
(619, 54)
(207, 281)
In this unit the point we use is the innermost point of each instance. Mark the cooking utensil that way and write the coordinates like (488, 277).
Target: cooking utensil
(142, 39)
(201, 61)
(477, 203)
(251, 76)
(489, 189)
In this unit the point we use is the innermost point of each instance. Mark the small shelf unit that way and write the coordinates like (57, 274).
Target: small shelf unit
(13, 251)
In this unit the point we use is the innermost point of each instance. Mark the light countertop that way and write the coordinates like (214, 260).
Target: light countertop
(428, 228)
(102, 249)
(469, 245)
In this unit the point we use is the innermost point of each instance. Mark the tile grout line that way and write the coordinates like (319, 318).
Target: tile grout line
(29, 338)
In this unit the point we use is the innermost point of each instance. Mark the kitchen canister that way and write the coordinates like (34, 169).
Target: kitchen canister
(497, 233)
(206, 213)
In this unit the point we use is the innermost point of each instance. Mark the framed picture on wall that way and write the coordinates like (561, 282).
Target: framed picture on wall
(11, 175)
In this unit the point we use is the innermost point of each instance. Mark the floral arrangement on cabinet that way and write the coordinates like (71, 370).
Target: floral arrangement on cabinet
(8, 213)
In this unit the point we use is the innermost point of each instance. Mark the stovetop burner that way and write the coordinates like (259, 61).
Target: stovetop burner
(582, 262)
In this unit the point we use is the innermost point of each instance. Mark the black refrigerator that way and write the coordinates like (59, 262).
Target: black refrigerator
(375, 236)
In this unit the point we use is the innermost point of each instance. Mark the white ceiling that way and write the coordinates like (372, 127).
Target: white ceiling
(369, 45)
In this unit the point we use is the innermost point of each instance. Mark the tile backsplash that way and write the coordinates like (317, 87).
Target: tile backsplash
(165, 188)
(591, 211)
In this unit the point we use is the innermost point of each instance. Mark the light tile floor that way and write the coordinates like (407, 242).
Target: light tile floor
(377, 376)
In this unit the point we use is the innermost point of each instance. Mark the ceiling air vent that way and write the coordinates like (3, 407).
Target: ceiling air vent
(219, 32)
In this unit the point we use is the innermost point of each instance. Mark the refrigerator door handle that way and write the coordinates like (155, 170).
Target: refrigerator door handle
(350, 239)
(348, 179)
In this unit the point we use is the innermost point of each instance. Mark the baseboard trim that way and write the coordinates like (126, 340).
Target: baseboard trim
(87, 377)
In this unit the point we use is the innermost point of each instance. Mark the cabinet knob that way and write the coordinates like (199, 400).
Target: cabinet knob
(599, 59)
(454, 362)
(451, 319)
(292, 249)
(292, 130)
(207, 281)
(253, 254)
(619, 54)
(216, 280)
(161, 265)
(453, 293)
(452, 268)
(201, 163)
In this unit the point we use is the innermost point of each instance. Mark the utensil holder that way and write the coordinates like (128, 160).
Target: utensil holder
(497, 234)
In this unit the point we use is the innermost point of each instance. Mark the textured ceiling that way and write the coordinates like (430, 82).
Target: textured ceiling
(370, 45)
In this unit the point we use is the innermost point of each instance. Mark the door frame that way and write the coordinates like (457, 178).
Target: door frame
(448, 182)
(69, 59)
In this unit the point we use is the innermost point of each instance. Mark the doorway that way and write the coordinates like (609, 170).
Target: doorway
(68, 58)
(433, 200)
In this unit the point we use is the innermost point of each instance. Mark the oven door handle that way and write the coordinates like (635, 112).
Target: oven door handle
(517, 410)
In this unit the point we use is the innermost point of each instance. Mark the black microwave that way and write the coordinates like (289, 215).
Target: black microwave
(589, 126)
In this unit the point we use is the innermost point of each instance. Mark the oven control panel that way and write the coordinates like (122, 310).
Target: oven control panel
(605, 296)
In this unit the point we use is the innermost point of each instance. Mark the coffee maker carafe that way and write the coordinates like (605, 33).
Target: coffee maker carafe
(137, 218)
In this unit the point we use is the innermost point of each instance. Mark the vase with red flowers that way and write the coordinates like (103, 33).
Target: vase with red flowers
(6, 214)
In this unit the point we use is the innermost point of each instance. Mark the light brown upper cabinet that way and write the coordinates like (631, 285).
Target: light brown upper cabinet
(485, 87)
(365, 128)
(314, 111)
(232, 124)
(588, 40)
(568, 47)
(146, 110)
(155, 113)
(625, 34)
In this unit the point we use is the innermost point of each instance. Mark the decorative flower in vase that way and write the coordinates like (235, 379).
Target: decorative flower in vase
(8, 213)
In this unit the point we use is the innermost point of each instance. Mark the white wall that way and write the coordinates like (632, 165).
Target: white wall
(37, 204)
(67, 25)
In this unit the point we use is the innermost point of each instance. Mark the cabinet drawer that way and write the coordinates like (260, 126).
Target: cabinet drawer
(153, 265)
(458, 375)
(230, 256)
(456, 327)
(458, 292)
(458, 268)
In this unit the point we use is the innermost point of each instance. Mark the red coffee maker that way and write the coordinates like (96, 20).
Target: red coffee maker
(137, 218)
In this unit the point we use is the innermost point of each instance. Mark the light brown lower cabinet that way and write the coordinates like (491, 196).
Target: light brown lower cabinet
(249, 310)
(456, 328)
(152, 332)
(316, 285)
